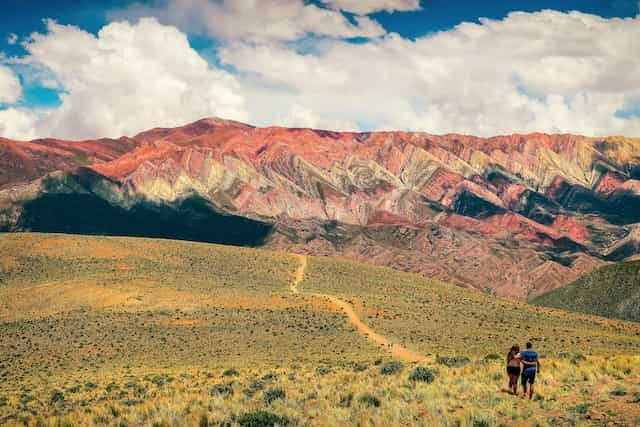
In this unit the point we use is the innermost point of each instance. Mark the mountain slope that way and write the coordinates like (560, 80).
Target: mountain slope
(514, 215)
(610, 291)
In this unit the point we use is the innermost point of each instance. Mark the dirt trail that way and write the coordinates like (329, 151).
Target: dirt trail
(396, 350)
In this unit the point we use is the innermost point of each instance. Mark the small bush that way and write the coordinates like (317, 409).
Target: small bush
(577, 358)
(3, 401)
(230, 373)
(261, 419)
(221, 390)
(360, 367)
(370, 400)
(56, 397)
(492, 356)
(204, 421)
(453, 362)
(377, 362)
(391, 367)
(273, 394)
(323, 370)
(253, 388)
(618, 390)
(582, 408)
(422, 374)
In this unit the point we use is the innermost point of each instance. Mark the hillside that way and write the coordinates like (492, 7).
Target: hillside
(515, 215)
(610, 291)
(104, 330)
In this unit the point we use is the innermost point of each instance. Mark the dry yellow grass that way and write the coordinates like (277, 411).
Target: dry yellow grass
(120, 331)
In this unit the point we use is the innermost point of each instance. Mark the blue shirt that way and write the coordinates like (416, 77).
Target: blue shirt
(529, 356)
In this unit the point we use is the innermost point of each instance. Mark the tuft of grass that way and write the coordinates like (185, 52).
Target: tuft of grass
(369, 400)
(454, 361)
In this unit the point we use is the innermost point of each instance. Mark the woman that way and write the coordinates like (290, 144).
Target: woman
(513, 368)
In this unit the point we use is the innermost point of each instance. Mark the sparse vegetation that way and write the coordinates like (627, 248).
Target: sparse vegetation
(108, 331)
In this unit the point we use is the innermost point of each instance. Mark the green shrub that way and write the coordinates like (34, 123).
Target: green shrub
(261, 419)
(391, 367)
(582, 408)
(3, 401)
(323, 370)
(492, 356)
(56, 397)
(370, 400)
(273, 394)
(204, 421)
(618, 390)
(230, 373)
(422, 374)
(253, 388)
(221, 390)
(453, 362)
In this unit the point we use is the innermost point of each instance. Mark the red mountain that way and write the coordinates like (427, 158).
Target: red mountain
(517, 215)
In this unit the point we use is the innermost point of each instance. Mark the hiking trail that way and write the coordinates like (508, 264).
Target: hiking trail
(396, 350)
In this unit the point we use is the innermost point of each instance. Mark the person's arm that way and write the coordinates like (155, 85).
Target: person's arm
(538, 365)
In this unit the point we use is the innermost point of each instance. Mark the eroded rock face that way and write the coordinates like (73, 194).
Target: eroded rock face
(517, 215)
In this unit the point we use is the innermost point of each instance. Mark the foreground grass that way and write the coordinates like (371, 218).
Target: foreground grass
(595, 390)
(121, 331)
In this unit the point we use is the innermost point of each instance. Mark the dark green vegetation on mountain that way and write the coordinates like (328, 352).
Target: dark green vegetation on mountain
(610, 291)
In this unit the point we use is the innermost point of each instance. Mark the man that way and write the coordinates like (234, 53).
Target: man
(530, 365)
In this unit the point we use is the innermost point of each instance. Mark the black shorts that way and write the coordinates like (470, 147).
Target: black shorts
(528, 376)
(513, 370)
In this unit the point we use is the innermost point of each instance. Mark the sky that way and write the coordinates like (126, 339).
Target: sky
(82, 69)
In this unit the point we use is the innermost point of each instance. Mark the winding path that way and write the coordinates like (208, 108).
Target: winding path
(396, 350)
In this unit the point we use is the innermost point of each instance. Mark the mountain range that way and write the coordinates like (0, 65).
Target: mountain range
(515, 215)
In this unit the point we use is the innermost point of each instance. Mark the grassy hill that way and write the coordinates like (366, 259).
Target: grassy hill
(610, 291)
(126, 331)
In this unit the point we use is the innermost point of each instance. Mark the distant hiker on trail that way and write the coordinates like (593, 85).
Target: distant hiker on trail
(513, 368)
(530, 365)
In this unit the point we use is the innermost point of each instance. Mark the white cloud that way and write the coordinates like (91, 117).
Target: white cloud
(10, 89)
(546, 71)
(127, 79)
(12, 39)
(364, 7)
(254, 20)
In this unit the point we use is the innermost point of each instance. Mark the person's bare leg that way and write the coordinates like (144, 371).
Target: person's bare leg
(530, 391)
(524, 390)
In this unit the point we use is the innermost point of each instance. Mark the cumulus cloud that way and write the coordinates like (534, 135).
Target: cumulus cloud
(129, 78)
(10, 89)
(254, 20)
(546, 71)
(370, 6)
(12, 39)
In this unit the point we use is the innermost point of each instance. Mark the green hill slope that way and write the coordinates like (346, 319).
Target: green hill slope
(610, 291)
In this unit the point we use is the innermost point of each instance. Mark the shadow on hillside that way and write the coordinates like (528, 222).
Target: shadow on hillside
(192, 218)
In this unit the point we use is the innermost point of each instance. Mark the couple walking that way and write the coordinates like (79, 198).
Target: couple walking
(530, 363)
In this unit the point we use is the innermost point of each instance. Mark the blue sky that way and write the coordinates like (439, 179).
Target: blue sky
(293, 101)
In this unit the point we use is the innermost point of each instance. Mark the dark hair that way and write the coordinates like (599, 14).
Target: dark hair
(529, 345)
(515, 349)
